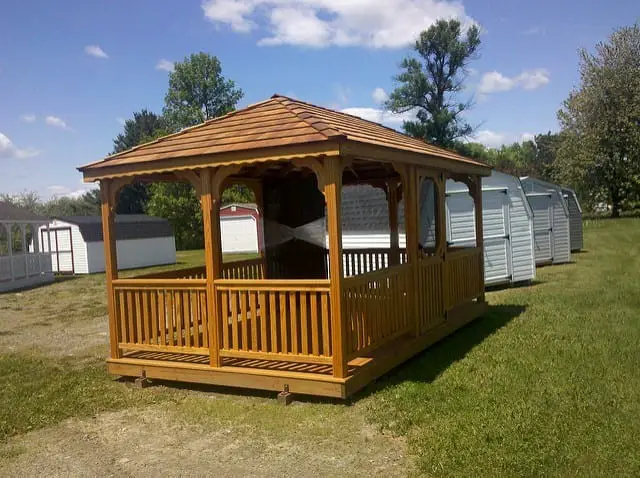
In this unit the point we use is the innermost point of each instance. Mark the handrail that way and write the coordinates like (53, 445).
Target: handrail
(374, 275)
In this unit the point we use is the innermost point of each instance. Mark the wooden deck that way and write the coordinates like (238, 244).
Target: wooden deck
(298, 377)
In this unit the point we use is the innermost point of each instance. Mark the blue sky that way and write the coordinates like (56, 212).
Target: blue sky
(71, 71)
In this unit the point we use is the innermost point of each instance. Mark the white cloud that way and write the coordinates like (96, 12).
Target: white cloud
(321, 23)
(494, 81)
(377, 115)
(64, 191)
(495, 139)
(8, 150)
(55, 121)
(379, 96)
(165, 65)
(95, 51)
(28, 118)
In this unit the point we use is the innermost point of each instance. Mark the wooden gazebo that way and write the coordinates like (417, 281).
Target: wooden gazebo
(302, 316)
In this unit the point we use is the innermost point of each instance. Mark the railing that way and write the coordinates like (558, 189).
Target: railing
(377, 308)
(246, 269)
(429, 293)
(5, 268)
(463, 276)
(198, 272)
(362, 261)
(286, 320)
(168, 315)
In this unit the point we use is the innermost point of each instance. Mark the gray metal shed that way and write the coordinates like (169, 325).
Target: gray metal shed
(550, 221)
(507, 221)
(575, 219)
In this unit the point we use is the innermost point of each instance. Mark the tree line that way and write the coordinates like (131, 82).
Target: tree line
(596, 151)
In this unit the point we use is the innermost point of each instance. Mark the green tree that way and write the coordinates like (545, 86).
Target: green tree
(601, 121)
(429, 83)
(145, 126)
(198, 91)
(180, 205)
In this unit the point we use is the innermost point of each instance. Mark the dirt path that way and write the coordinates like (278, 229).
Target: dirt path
(157, 442)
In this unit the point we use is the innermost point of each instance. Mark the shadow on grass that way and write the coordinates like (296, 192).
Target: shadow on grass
(516, 285)
(432, 362)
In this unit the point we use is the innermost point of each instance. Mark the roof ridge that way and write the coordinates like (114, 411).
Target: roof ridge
(185, 130)
(388, 128)
(328, 132)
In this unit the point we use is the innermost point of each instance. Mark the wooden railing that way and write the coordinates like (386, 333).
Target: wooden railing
(429, 293)
(362, 261)
(246, 269)
(463, 276)
(285, 320)
(198, 272)
(168, 315)
(377, 308)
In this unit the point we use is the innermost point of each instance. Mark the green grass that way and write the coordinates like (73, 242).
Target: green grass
(37, 392)
(548, 383)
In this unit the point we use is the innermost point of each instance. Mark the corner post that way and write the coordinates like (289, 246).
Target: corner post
(107, 208)
(25, 249)
(477, 202)
(213, 258)
(333, 197)
(441, 238)
(411, 211)
(394, 237)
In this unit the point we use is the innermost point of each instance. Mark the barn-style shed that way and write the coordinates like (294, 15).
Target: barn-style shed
(76, 243)
(507, 221)
(290, 320)
(241, 228)
(575, 219)
(550, 221)
(22, 262)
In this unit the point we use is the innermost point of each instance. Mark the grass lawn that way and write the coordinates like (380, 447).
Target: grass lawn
(548, 383)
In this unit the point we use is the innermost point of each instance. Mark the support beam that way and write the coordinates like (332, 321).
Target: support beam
(108, 198)
(394, 236)
(333, 197)
(210, 203)
(411, 188)
(477, 202)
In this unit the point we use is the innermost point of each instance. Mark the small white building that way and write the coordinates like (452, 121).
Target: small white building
(22, 263)
(550, 221)
(507, 220)
(241, 228)
(77, 246)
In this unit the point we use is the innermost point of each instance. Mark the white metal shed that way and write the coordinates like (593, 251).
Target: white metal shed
(77, 246)
(575, 219)
(550, 221)
(507, 221)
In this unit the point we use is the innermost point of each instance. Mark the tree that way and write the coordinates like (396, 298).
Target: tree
(429, 84)
(145, 126)
(198, 91)
(546, 152)
(601, 121)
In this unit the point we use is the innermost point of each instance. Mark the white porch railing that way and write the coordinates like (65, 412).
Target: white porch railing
(24, 265)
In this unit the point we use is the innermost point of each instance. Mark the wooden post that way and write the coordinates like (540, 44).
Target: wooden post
(333, 196)
(441, 236)
(394, 236)
(477, 202)
(107, 208)
(25, 249)
(213, 259)
(411, 210)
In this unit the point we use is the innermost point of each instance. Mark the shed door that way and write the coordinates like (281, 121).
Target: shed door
(497, 239)
(239, 234)
(542, 226)
(61, 248)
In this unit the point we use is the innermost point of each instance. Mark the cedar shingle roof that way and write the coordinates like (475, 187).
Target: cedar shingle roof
(278, 121)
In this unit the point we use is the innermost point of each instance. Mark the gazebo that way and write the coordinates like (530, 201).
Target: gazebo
(21, 262)
(300, 317)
